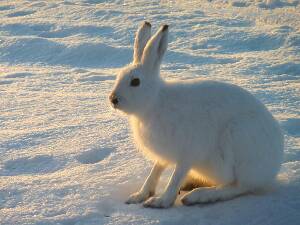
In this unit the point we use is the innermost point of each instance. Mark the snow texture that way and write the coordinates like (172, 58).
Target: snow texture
(68, 158)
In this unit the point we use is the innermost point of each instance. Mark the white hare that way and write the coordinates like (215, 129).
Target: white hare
(212, 132)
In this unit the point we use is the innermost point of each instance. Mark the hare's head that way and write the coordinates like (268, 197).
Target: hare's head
(138, 84)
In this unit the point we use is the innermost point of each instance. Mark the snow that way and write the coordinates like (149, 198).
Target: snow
(68, 158)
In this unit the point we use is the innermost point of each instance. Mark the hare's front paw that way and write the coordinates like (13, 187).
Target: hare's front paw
(158, 202)
(137, 197)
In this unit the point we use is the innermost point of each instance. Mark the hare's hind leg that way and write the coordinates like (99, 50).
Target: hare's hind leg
(212, 194)
(192, 182)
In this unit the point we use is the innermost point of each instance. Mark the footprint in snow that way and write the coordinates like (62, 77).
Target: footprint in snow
(9, 198)
(18, 75)
(6, 7)
(4, 82)
(239, 4)
(93, 156)
(39, 164)
(20, 13)
(238, 42)
(11, 78)
(96, 78)
(106, 14)
(94, 1)
(233, 23)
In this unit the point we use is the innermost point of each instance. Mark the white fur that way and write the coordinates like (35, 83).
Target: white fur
(217, 131)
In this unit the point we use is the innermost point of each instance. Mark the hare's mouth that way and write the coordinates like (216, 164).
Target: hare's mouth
(117, 106)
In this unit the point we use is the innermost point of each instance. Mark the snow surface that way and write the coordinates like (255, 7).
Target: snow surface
(68, 158)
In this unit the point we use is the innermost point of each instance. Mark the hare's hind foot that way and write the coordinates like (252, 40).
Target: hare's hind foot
(212, 194)
(192, 182)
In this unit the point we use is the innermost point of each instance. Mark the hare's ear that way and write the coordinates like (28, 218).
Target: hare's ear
(143, 34)
(155, 48)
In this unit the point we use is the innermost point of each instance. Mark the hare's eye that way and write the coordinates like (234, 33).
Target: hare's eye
(135, 82)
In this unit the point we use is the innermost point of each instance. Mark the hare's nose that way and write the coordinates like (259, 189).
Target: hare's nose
(113, 99)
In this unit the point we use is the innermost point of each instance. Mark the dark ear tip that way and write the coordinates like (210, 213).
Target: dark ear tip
(165, 27)
(147, 23)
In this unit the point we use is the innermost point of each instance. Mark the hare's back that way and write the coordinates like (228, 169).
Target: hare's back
(211, 97)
